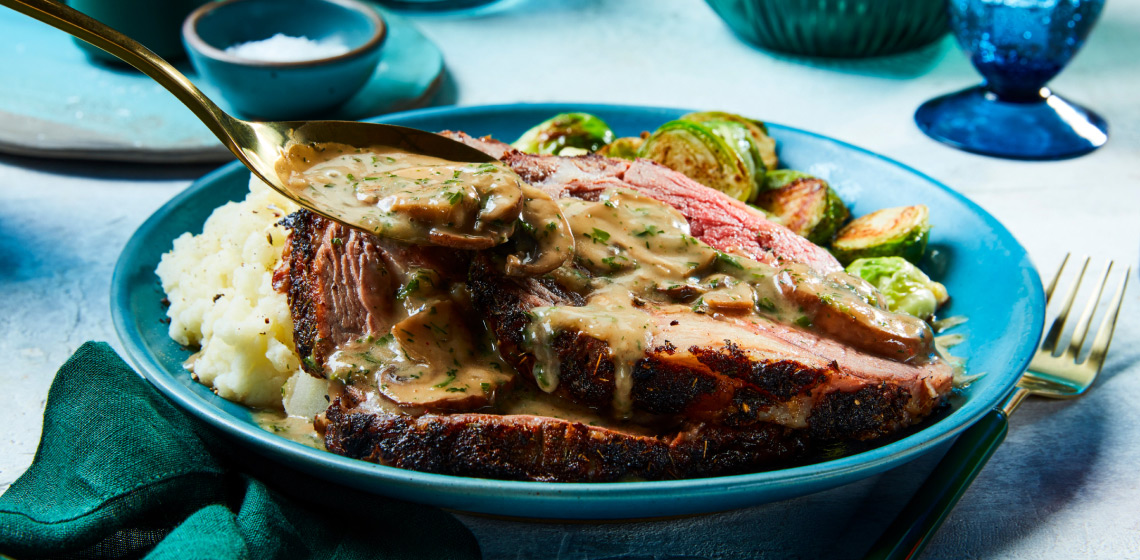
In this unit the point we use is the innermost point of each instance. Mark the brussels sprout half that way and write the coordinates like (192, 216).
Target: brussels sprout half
(694, 150)
(758, 130)
(891, 232)
(624, 148)
(739, 137)
(780, 178)
(904, 287)
(805, 205)
(581, 131)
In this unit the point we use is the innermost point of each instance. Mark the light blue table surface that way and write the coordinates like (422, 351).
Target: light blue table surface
(56, 103)
(1065, 483)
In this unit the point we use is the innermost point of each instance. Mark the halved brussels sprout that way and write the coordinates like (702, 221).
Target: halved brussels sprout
(582, 131)
(758, 130)
(739, 137)
(904, 287)
(805, 205)
(624, 148)
(891, 232)
(780, 178)
(694, 150)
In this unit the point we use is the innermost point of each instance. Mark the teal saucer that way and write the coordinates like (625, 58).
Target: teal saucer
(56, 103)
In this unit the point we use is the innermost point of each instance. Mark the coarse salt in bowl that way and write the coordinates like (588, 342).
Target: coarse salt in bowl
(283, 48)
(285, 59)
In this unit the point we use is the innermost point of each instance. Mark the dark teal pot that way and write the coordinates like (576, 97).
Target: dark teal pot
(835, 28)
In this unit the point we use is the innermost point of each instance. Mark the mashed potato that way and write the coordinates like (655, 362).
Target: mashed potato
(219, 284)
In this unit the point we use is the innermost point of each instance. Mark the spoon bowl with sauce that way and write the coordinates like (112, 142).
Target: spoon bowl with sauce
(402, 183)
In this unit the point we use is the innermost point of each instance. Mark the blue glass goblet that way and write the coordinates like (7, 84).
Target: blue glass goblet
(1017, 46)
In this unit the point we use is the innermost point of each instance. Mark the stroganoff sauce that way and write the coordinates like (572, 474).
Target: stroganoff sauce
(633, 257)
(425, 200)
(430, 356)
(640, 259)
(410, 197)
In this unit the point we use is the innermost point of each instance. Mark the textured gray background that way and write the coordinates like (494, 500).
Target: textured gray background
(1064, 485)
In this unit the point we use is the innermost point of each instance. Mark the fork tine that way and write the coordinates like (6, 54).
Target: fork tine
(1053, 283)
(1049, 343)
(1107, 325)
(1082, 328)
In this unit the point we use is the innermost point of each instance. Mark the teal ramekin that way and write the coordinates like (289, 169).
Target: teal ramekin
(284, 90)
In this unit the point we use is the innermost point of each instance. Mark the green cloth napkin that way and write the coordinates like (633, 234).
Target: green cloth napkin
(120, 472)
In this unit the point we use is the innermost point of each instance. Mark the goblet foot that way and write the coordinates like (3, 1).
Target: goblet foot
(977, 121)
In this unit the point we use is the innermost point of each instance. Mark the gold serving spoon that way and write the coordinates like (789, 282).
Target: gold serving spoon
(258, 145)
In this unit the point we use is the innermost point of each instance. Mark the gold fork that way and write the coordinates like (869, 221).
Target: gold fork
(1051, 374)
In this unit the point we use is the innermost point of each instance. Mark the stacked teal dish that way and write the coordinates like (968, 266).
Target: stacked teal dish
(835, 28)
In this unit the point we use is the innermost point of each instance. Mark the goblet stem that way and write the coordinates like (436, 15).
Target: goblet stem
(1037, 94)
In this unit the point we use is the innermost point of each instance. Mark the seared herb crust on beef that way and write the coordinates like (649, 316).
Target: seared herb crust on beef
(523, 447)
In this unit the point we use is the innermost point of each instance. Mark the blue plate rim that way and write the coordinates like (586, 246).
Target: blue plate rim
(401, 482)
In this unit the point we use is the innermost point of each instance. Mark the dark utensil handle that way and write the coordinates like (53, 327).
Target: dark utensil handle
(910, 532)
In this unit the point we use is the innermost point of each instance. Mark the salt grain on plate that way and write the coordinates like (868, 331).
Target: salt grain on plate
(283, 48)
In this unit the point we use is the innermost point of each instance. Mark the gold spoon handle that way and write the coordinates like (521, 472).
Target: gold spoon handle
(134, 53)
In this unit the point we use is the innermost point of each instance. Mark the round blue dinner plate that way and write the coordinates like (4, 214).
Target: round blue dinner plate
(989, 276)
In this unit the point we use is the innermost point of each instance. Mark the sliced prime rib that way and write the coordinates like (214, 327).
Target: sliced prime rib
(715, 218)
(342, 282)
(723, 370)
(741, 395)
(723, 223)
(344, 292)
